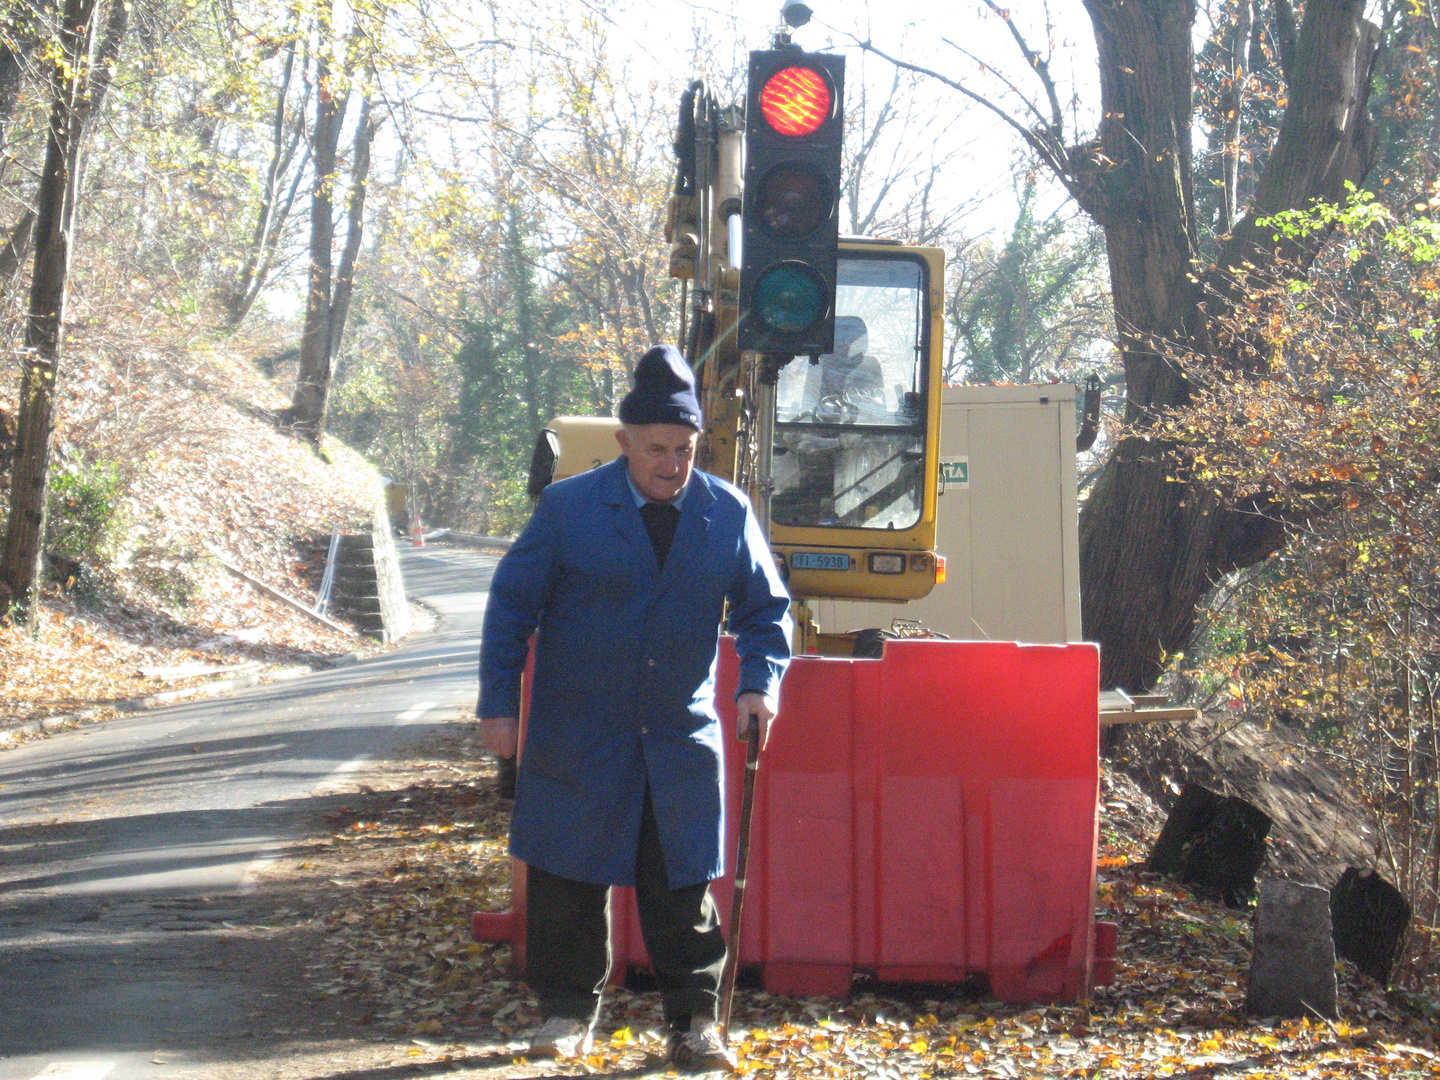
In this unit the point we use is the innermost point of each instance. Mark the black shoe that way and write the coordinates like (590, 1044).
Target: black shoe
(701, 1050)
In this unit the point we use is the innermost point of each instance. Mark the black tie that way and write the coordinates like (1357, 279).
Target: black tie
(660, 521)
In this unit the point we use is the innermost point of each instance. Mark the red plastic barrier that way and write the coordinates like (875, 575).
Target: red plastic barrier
(926, 817)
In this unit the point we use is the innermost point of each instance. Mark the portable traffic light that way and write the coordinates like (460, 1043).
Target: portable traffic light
(794, 122)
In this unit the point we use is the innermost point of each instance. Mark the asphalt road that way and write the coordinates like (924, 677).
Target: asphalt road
(116, 838)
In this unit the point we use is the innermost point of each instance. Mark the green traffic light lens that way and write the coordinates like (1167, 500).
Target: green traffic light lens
(789, 298)
(793, 199)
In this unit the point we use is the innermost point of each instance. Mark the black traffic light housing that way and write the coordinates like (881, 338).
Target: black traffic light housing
(794, 133)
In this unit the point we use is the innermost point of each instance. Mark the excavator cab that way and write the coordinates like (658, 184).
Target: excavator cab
(855, 450)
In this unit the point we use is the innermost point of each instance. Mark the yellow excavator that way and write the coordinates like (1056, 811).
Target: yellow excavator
(817, 357)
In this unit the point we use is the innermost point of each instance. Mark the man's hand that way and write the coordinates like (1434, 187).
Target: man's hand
(754, 707)
(500, 734)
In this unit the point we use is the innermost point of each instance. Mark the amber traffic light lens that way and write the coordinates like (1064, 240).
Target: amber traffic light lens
(794, 199)
(796, 101)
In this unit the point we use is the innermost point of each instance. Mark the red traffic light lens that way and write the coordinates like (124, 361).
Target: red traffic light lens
(796, 101)
(793, 199)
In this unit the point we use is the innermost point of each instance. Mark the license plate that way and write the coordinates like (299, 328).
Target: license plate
(819, 560)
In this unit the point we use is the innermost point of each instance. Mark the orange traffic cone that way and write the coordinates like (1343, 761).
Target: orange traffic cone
(417, 534)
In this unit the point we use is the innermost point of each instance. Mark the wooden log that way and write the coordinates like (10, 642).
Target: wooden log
(1292, 966)
(1147, 716)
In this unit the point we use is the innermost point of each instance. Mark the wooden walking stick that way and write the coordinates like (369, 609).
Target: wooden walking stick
(742, 858)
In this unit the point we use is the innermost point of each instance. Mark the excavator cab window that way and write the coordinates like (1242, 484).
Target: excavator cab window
(850, 425)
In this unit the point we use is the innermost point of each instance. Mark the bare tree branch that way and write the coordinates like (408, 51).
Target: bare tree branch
(1037, 63)
(1045, 144)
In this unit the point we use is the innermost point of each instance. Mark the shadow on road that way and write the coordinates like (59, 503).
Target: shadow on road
(141, 970)
(181, 766)
(122, 847)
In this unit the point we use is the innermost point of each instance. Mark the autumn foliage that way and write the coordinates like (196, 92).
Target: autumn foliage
(1331, 427)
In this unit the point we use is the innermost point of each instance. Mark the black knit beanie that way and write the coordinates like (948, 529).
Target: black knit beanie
(664, 391)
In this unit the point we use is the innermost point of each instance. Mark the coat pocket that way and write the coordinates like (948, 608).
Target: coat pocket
(555, 759)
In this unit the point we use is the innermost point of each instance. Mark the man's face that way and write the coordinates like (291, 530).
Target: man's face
(660, 456)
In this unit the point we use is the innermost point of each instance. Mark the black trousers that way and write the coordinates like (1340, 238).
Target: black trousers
(567, 943)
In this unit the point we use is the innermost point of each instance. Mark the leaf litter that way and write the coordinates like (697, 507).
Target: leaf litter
(397, 951)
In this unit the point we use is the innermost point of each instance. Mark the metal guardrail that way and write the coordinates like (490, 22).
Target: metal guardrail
(327, 580)
(470, 539)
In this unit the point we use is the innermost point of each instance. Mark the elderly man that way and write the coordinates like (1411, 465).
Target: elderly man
(623, 575)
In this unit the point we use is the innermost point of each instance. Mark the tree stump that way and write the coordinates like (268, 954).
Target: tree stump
(1369, 918)
(1213, 843)
(1292, 966)
(1192, 810)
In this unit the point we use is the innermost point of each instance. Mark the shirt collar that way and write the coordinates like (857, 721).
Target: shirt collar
(641, 500)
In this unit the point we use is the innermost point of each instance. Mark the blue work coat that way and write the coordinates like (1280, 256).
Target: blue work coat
(625, 655)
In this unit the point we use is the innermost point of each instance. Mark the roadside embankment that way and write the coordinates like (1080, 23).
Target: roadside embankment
(169, 474)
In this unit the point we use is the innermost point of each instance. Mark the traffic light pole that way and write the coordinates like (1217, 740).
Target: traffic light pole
(765, 448)
(767, 375)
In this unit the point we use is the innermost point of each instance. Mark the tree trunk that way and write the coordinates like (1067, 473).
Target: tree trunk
(355, 225)
(1151, 543)
(53, 236)
(306, 414)
(1232, 105)
(102, 65)
(521, 280)
(275, 204)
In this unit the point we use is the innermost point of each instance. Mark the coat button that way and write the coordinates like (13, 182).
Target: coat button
(650, 662)
(644, 731)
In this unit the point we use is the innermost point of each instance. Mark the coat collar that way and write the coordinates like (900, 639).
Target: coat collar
(689, 534)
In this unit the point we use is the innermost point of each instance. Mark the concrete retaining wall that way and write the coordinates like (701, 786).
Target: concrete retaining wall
(368, 584)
